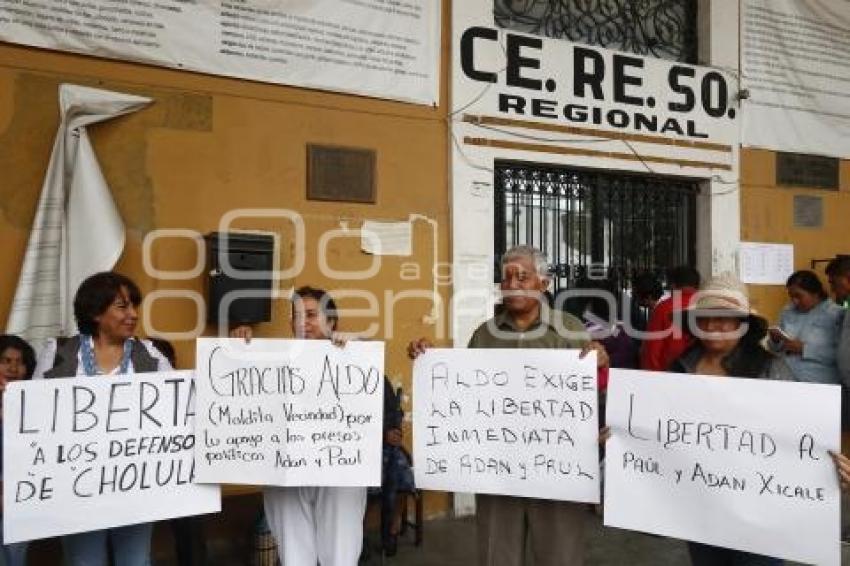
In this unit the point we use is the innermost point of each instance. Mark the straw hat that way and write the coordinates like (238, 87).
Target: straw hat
(722, 296)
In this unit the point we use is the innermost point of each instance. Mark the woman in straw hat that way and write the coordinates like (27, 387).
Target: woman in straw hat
(729, 336)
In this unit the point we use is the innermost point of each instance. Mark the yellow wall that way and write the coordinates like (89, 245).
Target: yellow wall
(767, 215)
(209, 145)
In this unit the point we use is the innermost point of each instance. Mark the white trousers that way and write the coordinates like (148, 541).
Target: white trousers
(317, 525)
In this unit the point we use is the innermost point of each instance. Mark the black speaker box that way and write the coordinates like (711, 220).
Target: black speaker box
(251, 262)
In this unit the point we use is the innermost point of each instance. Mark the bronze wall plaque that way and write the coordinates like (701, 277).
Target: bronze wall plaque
(808, 211)
(801, 170)
(344, 174)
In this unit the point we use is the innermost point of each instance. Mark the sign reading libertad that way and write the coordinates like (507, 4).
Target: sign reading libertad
(737, 463)
(93, 453)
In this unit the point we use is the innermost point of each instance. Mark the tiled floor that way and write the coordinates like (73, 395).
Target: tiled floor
(452, 543)
(449, 542)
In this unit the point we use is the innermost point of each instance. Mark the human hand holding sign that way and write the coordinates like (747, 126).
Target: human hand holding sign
(242, 331)
(602, 359)
(417, 347)
(842, 466)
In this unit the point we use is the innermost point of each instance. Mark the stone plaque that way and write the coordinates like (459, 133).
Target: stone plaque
(343, 174)
(808, 211)
(800, 170)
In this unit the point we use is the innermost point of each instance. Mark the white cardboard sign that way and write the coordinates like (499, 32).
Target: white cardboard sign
(736, 463)
(510, 422)
(290, 412)
(92, 453)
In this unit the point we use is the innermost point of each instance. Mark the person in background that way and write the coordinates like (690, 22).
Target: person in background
(17, 361)
(838, 273)
(646, 292)
(604, 326)
(396, 474)
(105, 308)
(311, 524)
(728, 337)
(554, 530)
(807, 335)
(657, 353)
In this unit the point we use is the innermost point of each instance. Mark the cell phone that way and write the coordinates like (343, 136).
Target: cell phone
(782, 333)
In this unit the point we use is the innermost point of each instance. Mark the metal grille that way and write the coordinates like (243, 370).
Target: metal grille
(595, 225)
(666, 29)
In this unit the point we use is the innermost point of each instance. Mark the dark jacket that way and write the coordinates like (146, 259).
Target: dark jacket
(774, 368)
(66, 359)
(393, 414)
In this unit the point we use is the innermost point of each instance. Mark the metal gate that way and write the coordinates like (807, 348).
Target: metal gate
(595, 225)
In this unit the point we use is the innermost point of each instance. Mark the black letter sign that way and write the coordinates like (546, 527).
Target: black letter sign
(467, 53)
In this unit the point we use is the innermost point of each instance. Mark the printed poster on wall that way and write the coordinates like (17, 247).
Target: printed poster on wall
(381, 48)
(93, 453)
(509, 422)
(736, 463)
(795, 63)
(290, 412)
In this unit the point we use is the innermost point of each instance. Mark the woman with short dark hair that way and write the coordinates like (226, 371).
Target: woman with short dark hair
(105, 308)
(808, 330)
(17, 361)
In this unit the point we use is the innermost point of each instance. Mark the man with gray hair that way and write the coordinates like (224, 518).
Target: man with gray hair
(505, 524)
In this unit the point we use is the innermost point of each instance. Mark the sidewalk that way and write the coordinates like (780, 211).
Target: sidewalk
(451, 542)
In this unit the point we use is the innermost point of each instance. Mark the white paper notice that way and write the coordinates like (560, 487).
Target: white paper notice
(509, 422)
(766, 264)
(87, 454)
(387, 238)
(736, 463)
(290, 412)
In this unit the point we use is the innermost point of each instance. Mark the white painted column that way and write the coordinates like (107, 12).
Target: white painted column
(719, 209)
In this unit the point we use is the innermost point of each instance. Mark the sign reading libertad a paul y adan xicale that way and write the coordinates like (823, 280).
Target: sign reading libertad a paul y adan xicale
(737, 463)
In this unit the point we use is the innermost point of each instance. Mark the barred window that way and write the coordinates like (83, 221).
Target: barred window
(666, 29)
(595, 224)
